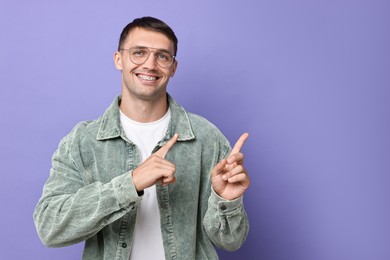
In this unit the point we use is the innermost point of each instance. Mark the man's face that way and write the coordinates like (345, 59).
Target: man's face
(147, 81)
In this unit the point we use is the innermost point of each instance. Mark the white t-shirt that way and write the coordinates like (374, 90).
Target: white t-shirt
(147, 242)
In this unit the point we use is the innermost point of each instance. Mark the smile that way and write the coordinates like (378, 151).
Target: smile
(146, 77)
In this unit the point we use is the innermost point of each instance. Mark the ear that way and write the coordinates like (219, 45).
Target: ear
(118, 60)
(173, 68)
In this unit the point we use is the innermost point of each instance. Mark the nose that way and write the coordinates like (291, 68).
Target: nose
(150, 62)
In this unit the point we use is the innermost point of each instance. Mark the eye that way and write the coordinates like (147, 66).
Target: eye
(138, 52)
(163, 56)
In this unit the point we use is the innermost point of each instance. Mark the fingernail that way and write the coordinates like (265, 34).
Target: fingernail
(224, 177)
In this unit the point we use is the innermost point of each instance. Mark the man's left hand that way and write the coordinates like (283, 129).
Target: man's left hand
(229, 177)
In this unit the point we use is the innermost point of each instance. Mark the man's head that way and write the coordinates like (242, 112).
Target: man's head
(149, 23)
(146, 58)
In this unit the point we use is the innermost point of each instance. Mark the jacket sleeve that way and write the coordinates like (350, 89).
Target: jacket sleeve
(225, 221)
(70, 211)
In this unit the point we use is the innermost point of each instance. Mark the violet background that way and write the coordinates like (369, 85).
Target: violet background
(309, 80)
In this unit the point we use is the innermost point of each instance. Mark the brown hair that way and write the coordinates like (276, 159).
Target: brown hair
(149, 23)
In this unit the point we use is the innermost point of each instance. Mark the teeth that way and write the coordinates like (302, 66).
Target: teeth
(145, 77)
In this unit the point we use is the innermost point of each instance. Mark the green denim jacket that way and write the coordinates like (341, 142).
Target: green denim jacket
(90, 196)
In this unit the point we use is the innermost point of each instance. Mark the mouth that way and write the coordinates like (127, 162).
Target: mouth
(148, 78)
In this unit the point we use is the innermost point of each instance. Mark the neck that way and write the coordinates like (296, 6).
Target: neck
(144, 111)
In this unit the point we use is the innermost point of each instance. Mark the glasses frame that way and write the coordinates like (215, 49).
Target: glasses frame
(151, 50)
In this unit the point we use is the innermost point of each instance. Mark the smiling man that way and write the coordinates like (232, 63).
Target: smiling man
(146, 180)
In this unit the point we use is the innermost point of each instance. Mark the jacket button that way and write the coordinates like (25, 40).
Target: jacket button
(223, 207)
(124, 245)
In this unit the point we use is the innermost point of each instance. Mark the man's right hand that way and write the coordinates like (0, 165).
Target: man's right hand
(156, 168)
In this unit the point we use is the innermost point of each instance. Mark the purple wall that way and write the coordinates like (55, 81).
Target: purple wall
(308, 79)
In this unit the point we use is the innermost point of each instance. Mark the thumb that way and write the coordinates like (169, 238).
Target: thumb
(219, 168)
(167, 146)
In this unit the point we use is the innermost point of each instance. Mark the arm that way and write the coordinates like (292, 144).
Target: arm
(69, 212)
(225, 221)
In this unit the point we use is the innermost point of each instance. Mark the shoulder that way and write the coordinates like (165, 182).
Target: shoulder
(206, 131)
(198, 126)
(84, 131)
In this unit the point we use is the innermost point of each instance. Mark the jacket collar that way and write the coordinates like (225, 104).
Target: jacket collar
(110, 126)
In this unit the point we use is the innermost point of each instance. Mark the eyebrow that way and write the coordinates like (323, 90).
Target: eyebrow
(163, 50)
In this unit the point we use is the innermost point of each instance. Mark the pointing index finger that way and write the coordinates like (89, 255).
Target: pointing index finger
(167, 146)
(240, 142)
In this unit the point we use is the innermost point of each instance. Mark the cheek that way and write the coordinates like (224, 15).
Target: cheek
(128, 67)
(172, 71)
(169, 72)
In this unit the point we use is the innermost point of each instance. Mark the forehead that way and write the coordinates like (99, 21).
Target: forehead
(148, 38)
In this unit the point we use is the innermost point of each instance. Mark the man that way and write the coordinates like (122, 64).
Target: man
(146, 180)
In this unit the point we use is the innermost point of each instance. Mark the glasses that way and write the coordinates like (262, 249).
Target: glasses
(139, 55)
